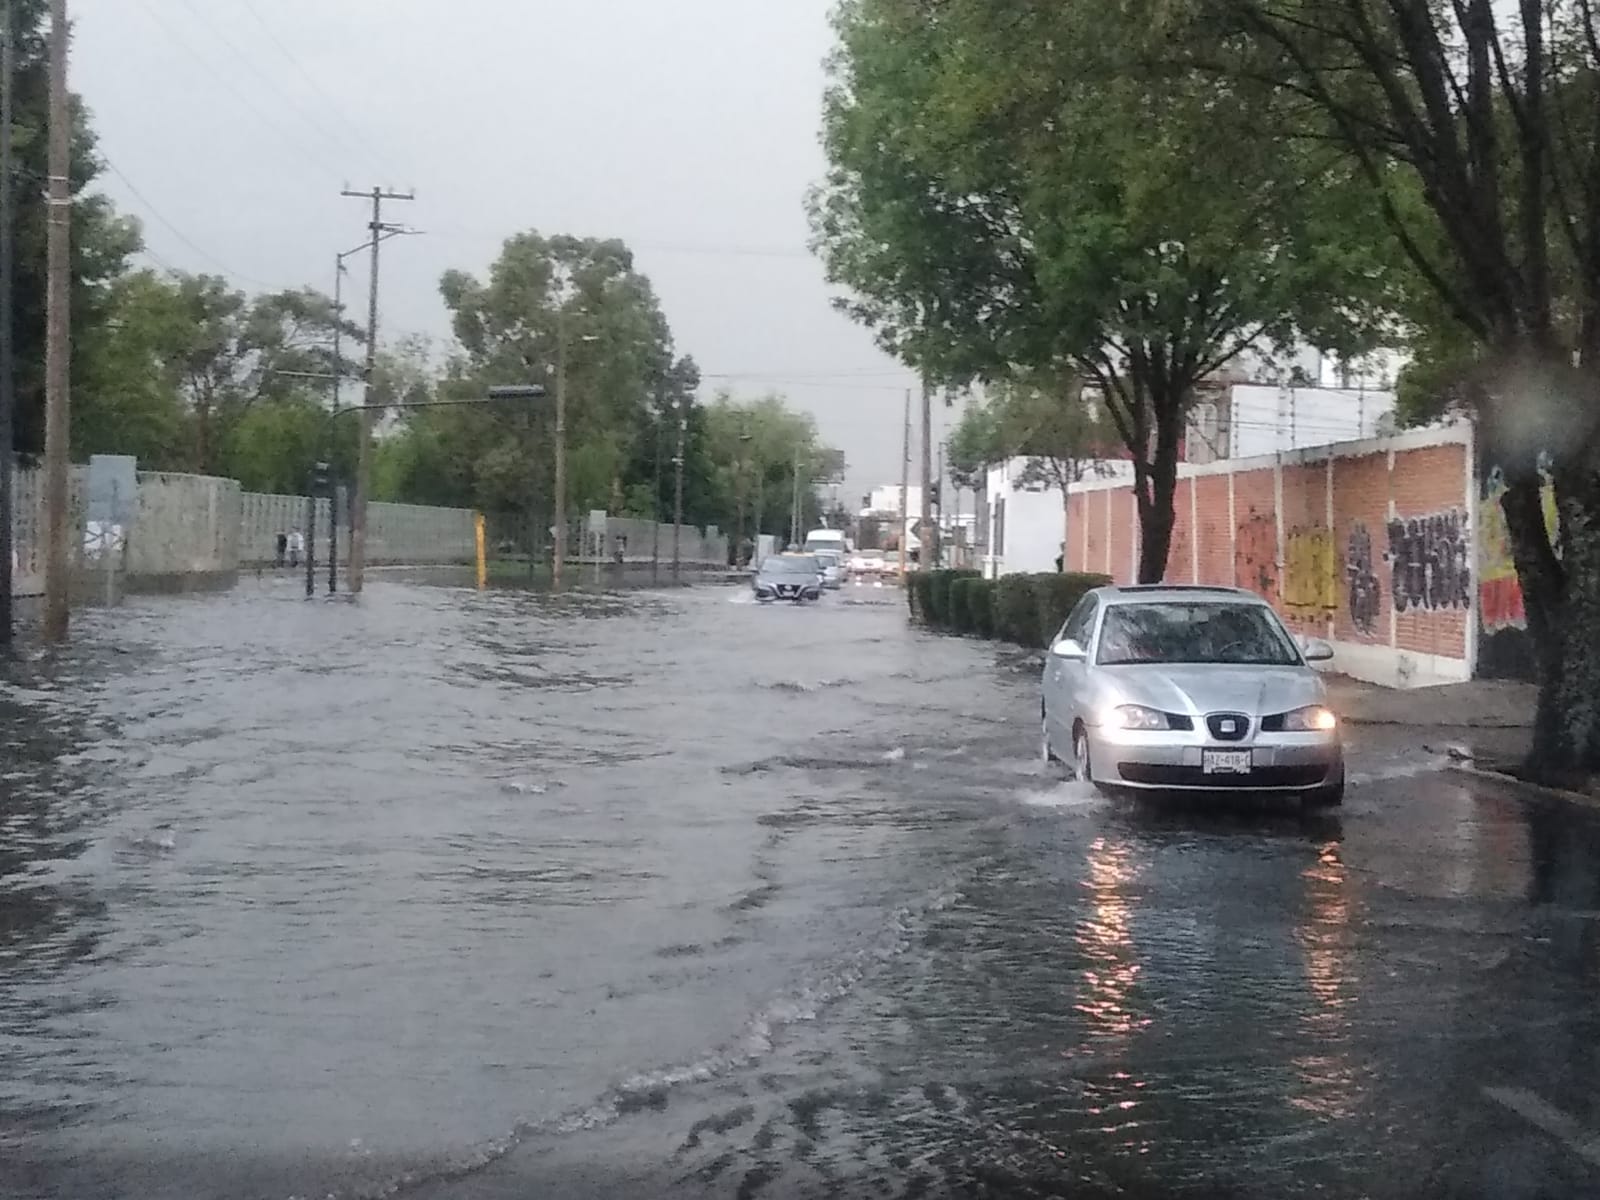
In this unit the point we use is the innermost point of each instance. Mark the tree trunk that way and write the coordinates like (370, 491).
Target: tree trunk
(1562, 601)
(1157, 489)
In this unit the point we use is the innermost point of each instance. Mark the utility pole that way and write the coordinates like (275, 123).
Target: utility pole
(677, 503)
(905, 486)
(338, 378)
(8, 405)
(358, 501)
(58, 335)
(739, 559)
(794, 510)
(559, 557)
(929, 555)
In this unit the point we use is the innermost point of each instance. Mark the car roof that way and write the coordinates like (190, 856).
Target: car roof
(1175, 592)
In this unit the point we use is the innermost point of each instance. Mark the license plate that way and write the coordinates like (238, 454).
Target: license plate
(1225, 762)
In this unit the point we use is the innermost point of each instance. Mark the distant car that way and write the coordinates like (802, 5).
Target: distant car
(795, 577)
(867, 564)
(833, 570)
(1189, 689)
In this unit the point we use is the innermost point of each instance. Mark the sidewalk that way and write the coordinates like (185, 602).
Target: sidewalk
(1480, 704)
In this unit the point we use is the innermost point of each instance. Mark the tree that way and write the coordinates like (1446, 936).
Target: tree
(1061, 434)
(102, 241)
(1477, 128)
(1011, 191)
(760, 446)
(545, 300)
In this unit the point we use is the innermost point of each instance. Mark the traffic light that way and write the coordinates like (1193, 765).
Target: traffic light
(321, 481)
(938, 498)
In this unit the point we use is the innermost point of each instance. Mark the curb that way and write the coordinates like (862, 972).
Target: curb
(1399, 723)
(1582, 799)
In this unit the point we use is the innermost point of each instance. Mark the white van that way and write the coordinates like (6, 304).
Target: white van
(828, 539)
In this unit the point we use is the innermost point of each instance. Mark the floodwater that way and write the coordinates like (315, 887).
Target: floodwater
(468, 895)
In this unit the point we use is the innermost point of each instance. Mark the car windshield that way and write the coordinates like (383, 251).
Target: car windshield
(1194, 633)
(828, 558)
(791, 566)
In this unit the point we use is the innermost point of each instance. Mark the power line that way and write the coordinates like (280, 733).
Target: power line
(362, 138)
(178, 233)
(696, 249)
(334, 142)
(288, 137)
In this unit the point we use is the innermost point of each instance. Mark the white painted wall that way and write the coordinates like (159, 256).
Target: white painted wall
(1034, 525)
(1271, 420)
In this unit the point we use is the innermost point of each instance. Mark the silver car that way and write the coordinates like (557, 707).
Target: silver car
(833, 574)
(1189, 689)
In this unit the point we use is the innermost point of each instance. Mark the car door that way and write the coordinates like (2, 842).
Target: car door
(1065, 680)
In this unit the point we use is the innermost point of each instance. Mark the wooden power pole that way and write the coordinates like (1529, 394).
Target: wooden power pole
(358, 500)
(58, 337)
(927, 557)
(905, 485)
(8, 406)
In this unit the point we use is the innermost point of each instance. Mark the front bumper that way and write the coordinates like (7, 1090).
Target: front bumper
(1176, 761)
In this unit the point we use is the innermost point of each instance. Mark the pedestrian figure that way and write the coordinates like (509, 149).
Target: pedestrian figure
(283, 547)
(297, 547)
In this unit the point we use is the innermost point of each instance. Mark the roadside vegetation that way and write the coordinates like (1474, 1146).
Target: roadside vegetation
(1023, 609)
(193, 373)
(1136, 194)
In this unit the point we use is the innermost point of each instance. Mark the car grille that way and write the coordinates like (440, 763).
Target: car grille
(1228, 727)
(1161, 775)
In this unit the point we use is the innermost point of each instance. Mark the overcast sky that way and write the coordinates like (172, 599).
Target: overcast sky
(689, 129)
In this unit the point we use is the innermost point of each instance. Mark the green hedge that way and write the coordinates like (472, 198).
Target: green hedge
(978, 598)
(1025, 609)
(941, 611)
(1016, 610)
(919, 596)
(1057, 596)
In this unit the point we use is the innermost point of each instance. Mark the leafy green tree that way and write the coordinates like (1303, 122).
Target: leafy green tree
(548, 302)
(1012, 192)
(102, 241)
(1477, 129)
(762, 445)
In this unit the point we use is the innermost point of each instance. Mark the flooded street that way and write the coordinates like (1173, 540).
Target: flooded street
(466, 895)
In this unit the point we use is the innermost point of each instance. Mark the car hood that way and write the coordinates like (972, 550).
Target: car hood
(1198, 689)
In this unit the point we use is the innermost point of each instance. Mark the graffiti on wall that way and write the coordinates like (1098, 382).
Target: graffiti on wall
(1310, 587)
(1499, 593)
(1256, 553)
(1430, 563)
(1363, 591)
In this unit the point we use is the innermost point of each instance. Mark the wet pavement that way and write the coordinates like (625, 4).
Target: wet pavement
(466, 896)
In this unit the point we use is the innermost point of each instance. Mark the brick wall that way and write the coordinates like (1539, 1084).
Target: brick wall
(1368, 544)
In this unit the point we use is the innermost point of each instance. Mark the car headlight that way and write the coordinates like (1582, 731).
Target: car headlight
(1314, 718)
(1136, 716)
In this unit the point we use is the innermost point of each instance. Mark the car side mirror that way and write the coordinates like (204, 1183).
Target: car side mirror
(1069, 649)
(1318, 650)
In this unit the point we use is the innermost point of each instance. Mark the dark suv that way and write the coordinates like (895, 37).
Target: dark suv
(796, 577)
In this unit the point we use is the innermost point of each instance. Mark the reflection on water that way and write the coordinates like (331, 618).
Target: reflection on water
(1105, 936)
(1328, 1082)
(1107, 994)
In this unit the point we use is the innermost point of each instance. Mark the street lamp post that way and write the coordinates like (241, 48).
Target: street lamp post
(677, 504)
(744, 453)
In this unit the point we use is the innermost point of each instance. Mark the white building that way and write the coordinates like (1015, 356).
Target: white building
(1025, 523)
(886, 499)
(1246, 420)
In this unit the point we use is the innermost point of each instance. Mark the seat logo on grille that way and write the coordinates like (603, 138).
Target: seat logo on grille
(1230, 727)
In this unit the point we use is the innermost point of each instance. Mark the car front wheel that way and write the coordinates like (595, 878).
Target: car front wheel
(1047, 754)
